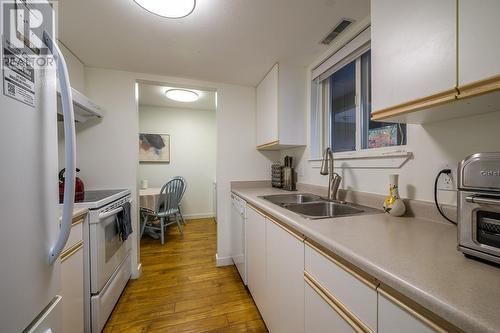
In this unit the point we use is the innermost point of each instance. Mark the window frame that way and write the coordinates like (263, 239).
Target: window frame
(323, 139)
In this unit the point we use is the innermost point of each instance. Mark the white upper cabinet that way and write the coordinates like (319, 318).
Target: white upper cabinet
(414, 51)
(267, 108)
(281, 105)
(434, 60)
(478, 40)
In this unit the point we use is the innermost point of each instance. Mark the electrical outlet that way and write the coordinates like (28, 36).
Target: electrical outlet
(447, 181)
(300, 172)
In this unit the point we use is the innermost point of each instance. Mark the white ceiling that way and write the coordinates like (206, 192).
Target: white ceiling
(233, 41)
(153, 95)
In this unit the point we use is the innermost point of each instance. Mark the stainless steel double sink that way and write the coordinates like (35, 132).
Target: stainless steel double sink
(314, 207)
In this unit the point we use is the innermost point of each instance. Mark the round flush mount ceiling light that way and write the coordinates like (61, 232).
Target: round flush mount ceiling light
(182, 95)
(168, 8)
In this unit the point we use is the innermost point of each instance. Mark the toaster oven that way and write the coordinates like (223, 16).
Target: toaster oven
(479, 206)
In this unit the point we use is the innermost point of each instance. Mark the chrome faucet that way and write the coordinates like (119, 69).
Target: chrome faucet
(327, 169)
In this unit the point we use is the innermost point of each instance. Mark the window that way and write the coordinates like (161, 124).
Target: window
(341, 104)
(343, 108)
(376, 134)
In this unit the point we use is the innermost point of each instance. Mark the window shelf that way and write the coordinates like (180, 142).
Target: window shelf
(377, 159)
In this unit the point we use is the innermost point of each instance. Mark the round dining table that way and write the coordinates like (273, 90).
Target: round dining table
(148, 198)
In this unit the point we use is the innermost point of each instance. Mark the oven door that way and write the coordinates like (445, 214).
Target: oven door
(479, 222)
(107, 250)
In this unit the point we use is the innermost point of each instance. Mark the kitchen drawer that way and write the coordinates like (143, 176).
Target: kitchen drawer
(322, 315)
(355, 293)
(76, 234)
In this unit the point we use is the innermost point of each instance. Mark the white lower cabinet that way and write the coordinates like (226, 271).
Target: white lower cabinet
(72, 284)
(256, 258)
(285, 280)
(357, 294)
(320, 316)
(72, 293)
(301, 287)
(392, 318)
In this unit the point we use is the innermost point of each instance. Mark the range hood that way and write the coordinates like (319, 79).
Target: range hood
(84, 108)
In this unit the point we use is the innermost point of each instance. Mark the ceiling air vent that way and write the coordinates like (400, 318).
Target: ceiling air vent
(336, 31)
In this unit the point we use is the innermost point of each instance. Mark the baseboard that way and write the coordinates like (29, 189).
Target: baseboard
(225, 261)
(137, 273)
(198, 216)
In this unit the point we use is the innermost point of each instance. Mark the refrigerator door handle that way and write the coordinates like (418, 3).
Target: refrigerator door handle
(69, 148)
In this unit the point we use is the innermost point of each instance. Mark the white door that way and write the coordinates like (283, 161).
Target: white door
(394, 319)
(29, 202)
(29, 199)
(256, 256)
(238, 235)
(73, 292)
(478, 41)
(267, 108)
(320, 316)
(414, 53)
(285, 280)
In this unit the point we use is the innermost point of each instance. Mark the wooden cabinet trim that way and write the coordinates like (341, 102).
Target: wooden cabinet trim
(416, 105)
(292, 232)
(72, 250)
(336, 305)
(257, 210)
(345, 265)
(417, 311)
(480, 87)
(269, 144)
(280, 224)
(77, 221)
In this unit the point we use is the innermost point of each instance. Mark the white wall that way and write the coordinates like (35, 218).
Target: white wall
(76, 69)
(108, 154)
(192, 154)
(434, 147)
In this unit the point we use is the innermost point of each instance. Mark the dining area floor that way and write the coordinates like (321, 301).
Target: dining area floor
(182, 290)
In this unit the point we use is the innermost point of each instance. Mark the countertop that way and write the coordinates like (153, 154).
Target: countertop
(77, 212)
(415, 256)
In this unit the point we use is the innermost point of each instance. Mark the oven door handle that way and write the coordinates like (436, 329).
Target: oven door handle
(105, 215)
(483, 200)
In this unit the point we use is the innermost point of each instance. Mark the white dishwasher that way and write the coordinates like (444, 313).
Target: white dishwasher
(238, 240)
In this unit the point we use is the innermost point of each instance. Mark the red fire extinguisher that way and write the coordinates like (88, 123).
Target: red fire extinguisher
(79, 187)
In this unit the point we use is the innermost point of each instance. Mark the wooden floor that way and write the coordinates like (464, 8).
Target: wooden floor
(181, 290)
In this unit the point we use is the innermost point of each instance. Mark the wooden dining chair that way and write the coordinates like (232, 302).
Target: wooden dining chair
(167, 208)
(182, 196)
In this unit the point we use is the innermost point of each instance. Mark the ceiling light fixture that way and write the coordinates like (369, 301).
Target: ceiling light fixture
(182, 95)
(168, 8)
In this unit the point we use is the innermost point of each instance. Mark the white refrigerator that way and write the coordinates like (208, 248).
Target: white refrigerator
(32, 232)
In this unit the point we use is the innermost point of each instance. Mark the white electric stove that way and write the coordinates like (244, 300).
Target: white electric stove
(107, 264)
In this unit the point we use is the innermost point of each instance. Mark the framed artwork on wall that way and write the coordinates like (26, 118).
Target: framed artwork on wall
(154, 148)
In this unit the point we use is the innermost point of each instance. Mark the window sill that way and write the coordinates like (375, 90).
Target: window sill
(377, 158)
